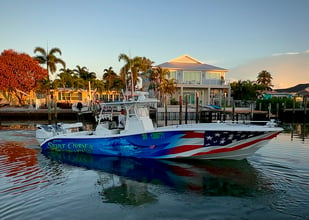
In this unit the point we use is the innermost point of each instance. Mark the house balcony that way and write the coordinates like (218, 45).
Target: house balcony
(207, 83)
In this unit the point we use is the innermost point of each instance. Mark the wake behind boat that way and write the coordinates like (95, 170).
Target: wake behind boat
(134, 135)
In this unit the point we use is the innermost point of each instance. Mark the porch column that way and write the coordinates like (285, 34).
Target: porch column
(208, 96)
(181, 91)
(229, 96)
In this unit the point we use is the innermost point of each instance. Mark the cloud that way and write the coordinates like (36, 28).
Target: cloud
(287, 69)
(288, 53)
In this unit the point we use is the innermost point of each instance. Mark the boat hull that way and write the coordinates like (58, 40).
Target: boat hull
(167, 144)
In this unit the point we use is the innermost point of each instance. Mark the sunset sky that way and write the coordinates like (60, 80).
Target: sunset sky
(244, 36)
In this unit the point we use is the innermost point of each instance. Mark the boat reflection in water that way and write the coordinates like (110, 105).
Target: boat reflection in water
(134, 176)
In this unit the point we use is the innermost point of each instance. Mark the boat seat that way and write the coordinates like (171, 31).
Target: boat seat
(49, 128)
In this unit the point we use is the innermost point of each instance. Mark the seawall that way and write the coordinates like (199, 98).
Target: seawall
(20, 114)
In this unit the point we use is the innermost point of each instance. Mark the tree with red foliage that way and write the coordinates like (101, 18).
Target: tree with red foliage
(19, 74)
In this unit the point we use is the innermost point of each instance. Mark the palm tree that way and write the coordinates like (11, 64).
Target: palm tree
(131, 66)
(97, 86)
(78, 83)
(118, 84)
(83, 73)
(157, 76)
(51, 60)
(145, 64)
(168, 86)
(134, 66)
(145, 72)
(244, 90)
(65, 78)
(264, 79)
(109, 77)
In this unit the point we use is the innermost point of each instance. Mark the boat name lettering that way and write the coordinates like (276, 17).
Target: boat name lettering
(157, 135)
(144, 136)
(53, 146)
(74, 147)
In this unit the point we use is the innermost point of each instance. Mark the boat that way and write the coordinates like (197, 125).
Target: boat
(139, 138)
(212, 107)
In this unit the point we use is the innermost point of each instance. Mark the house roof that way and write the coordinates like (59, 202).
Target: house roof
(186, 62)
(304, 92)
(295, 89)
(185, 59)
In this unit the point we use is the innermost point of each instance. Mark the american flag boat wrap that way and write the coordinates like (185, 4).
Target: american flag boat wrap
(139, 138)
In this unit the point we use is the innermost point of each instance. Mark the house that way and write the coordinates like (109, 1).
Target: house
(63, 95)
(298, 91)
(195, 78)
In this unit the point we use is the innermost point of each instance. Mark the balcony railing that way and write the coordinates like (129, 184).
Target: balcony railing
(205, 82)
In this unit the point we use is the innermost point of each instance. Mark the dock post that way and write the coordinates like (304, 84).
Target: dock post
(165, 110)
(233, 111)
(293, 115)
(197, 110)
(180, 110)
(251, 111)
(269, 111)
(305, 118)
(186, 113)
(277, 111)
(224, 110)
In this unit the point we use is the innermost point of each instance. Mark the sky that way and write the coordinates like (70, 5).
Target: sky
(243, 36)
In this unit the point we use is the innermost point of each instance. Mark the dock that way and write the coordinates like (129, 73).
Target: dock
(171, 117)
(9, 114)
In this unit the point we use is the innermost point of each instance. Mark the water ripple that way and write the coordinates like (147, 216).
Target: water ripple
(19, 169)
(285, 163)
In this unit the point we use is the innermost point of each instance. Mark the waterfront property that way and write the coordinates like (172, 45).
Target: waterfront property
(298, 92)
(64, 97)
(298, 95)
(196, 79)
(84, 96)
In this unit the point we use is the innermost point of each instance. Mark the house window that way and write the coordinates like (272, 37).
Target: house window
(179, 76)
(193, 77)
(172, 75)
(69, 96)
(213, 75)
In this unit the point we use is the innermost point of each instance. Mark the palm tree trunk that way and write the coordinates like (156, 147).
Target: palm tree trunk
(55, 109)
(48, 100)
(132, 86)
(48, 95)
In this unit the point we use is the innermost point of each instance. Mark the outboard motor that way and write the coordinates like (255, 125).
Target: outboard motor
(79, 106)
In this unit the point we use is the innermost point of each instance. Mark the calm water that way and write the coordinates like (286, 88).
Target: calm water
(272, 184)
